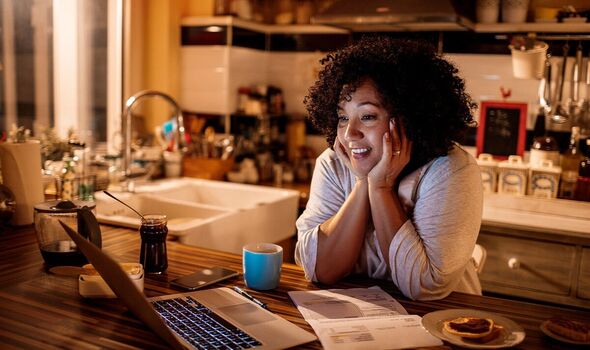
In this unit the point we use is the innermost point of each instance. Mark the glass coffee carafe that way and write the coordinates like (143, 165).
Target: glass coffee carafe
(56, 246)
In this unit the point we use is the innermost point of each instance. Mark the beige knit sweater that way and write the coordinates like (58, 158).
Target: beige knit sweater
(430, 255)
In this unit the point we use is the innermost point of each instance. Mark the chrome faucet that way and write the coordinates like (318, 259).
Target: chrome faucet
(126, 125)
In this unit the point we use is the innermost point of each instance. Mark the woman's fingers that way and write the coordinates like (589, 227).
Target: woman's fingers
(336, 146)
(341, 153)
(396, 139)
(387, 143)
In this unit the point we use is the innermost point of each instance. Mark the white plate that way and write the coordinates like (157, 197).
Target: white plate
(574, 20)
(559, 337)
(546, 20)
(512, 334)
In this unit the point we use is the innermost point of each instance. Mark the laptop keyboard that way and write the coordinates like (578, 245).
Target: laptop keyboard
(200, 326)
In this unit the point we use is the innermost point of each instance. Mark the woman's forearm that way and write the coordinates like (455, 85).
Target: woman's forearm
(341, 237)
(388, 216)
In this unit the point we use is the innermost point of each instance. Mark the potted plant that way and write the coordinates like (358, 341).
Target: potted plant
(528, 57)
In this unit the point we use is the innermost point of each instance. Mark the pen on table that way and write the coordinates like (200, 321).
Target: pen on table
(243, 293)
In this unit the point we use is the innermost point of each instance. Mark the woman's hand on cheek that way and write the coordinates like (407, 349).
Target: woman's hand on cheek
(341, 153)
(397, 150)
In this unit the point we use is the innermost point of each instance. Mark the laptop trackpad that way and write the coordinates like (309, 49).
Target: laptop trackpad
(246, 314)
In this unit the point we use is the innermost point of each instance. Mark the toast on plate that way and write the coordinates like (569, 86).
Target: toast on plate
(469, 327)
(573, 330)
(494, 334)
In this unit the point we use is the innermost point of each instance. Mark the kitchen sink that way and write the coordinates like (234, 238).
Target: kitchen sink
(207, 213)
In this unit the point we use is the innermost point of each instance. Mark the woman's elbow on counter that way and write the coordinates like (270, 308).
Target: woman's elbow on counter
(328, 280)
(329, 276)
(425, 295)
(426, 291)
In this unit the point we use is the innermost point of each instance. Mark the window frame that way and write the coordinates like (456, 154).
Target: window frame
(70, 87)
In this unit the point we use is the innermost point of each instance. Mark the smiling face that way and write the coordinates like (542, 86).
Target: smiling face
(362, 121)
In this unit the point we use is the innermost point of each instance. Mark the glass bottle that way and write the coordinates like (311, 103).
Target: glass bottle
(570, 162)
(114, 170)
(544, 146)
(68, 178)
(582, 191)
(153, 232)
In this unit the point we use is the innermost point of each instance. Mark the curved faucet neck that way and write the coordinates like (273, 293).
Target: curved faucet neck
(126, 124)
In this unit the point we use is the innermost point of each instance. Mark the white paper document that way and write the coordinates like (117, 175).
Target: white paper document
(361, 318)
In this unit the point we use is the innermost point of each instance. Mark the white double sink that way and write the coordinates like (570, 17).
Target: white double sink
(213, 214)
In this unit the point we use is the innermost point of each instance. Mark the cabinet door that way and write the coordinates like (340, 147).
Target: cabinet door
(584, 279)
(524, 265)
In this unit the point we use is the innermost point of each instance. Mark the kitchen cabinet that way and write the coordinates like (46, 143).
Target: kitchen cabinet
(537, 249)
(584, 276)
(543, 267)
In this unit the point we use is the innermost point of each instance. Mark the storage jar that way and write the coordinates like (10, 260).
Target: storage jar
(489, 172)
(544, 179)
(512, 176)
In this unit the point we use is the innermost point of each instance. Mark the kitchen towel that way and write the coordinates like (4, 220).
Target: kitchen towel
(21, 172)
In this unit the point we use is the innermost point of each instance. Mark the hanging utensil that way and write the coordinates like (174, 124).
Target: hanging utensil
(578, 76)
(584, 120)
(545, 86)
(574, 100)
(560, 114)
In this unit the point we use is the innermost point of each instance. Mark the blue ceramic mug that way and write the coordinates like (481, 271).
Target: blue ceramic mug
(262, 265)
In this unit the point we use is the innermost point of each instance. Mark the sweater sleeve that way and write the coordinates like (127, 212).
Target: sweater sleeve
(429, 253)
(325, 199)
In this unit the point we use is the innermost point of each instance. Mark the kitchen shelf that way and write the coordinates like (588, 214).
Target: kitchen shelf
(570, 28)
(261, 27)
(527, 27)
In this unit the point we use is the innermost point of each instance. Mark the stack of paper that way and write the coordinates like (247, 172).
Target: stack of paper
(361, 318)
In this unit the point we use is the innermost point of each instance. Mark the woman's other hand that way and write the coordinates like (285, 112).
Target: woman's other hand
(397, 150)
(343, 156)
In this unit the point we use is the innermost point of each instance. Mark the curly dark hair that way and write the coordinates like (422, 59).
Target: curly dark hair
(416, 86)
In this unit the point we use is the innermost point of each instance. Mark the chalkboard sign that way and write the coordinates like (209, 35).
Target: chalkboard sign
(502, 129)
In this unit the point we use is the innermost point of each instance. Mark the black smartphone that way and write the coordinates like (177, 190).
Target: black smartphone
(203, 278)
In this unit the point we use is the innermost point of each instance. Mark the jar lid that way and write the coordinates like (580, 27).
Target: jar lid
(61, 206)
(513, 162)
(486, 159)
(546, 166)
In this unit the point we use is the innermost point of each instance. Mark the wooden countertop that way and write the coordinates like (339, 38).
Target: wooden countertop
(39, 310)
(556, 216)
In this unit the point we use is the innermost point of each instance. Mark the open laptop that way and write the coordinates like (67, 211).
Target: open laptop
(253, 326)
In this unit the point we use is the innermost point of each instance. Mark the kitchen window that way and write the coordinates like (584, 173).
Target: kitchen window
(60, 66)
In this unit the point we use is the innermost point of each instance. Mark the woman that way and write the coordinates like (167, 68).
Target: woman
(395, 197)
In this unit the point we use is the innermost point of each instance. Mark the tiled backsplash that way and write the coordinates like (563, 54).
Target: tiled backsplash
(294, 72)
(205, 78)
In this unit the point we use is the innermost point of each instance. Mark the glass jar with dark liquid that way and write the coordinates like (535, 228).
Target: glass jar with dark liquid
(153, 233)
